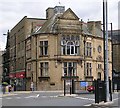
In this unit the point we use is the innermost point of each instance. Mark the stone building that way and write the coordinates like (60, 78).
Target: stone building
(65, 47)
(1, 65)
(116, 49)
(18, 34)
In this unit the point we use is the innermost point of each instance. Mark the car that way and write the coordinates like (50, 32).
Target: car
(91, 88)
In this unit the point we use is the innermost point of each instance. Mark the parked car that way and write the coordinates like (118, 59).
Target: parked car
(91, 88)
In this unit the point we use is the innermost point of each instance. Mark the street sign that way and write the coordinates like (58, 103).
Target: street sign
(84, 84)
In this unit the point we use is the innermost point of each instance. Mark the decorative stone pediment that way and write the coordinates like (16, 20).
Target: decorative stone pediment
(69, 14)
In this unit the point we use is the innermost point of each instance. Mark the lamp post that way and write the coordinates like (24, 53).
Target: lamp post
(105, 35)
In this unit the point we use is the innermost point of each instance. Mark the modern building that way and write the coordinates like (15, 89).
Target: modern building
(18, 35)
(65, 47)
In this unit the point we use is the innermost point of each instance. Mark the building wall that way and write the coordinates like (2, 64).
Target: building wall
(25, 50)
(18, 36)
(1, 65)
(67, 24)
(55, 80)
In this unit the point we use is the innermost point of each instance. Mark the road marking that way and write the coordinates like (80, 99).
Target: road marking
(38, 95)
(0, 98)
(115, 99)
(9, 98)
(29, 97)
(85, 98)
(87, 105)
(32, 96)
(18, 97)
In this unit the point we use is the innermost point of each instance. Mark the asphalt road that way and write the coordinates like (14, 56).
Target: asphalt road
(51, 99)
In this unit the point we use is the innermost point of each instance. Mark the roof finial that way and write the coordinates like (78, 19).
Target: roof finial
(59, 2)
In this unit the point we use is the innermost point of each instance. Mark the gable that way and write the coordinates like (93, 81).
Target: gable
(69, 14)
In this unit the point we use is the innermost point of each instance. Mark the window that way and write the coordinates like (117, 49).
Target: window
(43, 48)
(69, 68)
(99, 66)
(99, 75)
(70, 45)
(88, 69)
(44, 69)
(28, 50)
(99, 49)
(88, 49)
(28, 69)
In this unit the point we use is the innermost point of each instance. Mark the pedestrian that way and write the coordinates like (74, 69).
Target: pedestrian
(32, 86)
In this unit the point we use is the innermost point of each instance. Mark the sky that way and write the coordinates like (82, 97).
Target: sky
(12, 11)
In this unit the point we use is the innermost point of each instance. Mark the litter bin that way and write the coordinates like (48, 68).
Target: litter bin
(99, 91)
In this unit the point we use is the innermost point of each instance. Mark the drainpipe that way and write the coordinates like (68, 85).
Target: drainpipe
(36, 61)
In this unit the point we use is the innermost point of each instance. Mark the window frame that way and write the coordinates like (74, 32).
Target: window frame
(88, 69)
(44, 70)
(66, 69)
(70, 45)
(43, 48)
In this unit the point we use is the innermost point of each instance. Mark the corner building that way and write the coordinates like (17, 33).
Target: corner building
(64, 46)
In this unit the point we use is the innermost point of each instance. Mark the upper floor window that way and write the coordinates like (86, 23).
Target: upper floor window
(99, 66)
(88, 49)
(43, 48)
(69, 68)
(70, 45)
(88, 69)
(99, 49)
(44, 69)
(28, 50)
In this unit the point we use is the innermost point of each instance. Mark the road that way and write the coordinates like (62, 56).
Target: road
(50, 99)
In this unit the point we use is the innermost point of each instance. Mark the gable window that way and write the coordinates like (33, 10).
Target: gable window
(43, 48)
(70, 45)
(88, 69)
(69, 68)
(88, 49)
(44, 69)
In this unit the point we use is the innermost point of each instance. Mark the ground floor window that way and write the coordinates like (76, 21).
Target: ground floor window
(44, 69)
(69, 68)
(88, 69)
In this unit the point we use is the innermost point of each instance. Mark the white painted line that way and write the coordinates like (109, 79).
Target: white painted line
(18, 97)
(43, 96)
(9, 98)
(29, 96)
(87, 105)
(115, 99)
(32, 96)
(38, 95)
(84, 98)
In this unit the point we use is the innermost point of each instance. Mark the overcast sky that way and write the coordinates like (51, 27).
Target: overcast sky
(12, 11)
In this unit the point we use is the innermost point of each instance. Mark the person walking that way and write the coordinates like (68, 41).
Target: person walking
(32, 86)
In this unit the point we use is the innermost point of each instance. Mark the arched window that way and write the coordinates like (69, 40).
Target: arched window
(70, 45)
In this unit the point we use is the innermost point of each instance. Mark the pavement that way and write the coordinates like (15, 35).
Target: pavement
(101, 104)
(22, 92)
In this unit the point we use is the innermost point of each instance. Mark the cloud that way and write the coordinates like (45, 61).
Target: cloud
(12, 11)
